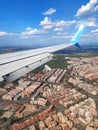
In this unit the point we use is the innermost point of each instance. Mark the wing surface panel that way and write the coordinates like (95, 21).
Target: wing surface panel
(11, 57)
(13, 66)
(23, 71)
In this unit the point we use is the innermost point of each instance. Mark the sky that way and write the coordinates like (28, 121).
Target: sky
(47, 22)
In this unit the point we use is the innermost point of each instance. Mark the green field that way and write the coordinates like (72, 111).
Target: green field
(58, 62)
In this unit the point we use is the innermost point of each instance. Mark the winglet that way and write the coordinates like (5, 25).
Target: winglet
(77, 36)
(77, 45)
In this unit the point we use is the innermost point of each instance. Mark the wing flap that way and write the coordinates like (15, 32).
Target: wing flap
(23, 71)
(7, 69)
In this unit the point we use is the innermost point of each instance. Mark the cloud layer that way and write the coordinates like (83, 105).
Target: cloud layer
(30, 32)
(48, 24)
(51, 27)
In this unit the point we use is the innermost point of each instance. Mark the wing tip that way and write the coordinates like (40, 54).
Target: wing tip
(77, 45)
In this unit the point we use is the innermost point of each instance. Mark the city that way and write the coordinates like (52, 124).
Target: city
(53, 99)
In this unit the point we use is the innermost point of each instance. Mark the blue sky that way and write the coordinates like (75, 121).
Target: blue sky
(47, 22)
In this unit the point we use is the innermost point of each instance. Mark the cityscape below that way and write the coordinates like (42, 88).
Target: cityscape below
(61, 95)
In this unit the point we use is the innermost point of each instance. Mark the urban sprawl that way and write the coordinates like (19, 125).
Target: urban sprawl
(55, 99)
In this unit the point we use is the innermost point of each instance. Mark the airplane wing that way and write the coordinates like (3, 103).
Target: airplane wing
(15, 65)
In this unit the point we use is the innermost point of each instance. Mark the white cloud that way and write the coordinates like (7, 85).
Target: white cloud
(88, 9)
(6, 34)
(63, 23)
(50, 11)
(29, 28)
(88, 22)
(58, 29)
(30, 32)
(48, 24)
(46, 21)
(3, 33)
(91, 22)
(47, 27)
(94, 31)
